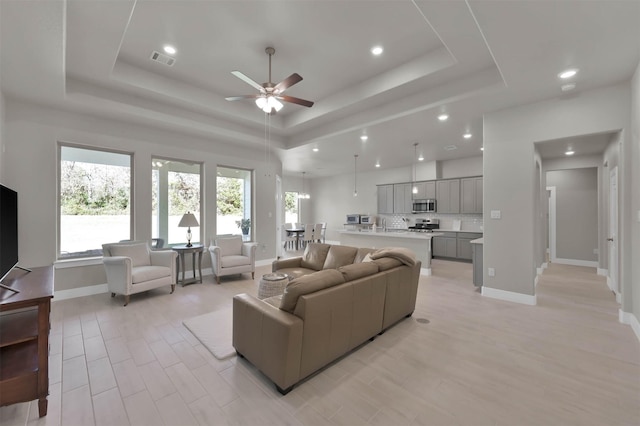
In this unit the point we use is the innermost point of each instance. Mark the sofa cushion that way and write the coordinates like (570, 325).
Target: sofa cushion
(404, 255)
(234, 260)
(142, 274)
(339, 256)
(314, 256)
(229, 246)
(358, 270)
(308, 284)
(139, 253)
(386, 263)
(362, 253)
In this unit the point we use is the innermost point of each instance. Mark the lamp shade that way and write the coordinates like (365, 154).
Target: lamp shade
(188, 220)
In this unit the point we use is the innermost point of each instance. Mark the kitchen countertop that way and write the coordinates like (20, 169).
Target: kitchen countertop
(477, 241)
(393, 234)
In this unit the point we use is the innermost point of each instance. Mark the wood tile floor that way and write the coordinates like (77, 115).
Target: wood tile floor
(478, 361)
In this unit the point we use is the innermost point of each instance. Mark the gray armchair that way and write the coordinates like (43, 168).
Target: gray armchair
(230, 255)
(132, 267)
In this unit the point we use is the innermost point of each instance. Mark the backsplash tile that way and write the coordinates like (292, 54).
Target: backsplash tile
(469, 222)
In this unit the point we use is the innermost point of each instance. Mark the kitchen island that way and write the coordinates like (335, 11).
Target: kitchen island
(418, 242)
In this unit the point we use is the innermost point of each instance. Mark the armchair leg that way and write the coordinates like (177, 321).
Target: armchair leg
(126, 300)
(113, 295)
(218, 279)
(173, 287)
(253, 275)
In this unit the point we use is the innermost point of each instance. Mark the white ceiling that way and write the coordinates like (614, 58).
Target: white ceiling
(463, 58)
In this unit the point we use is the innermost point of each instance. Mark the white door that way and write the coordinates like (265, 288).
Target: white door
(279, 213)
(613, 232)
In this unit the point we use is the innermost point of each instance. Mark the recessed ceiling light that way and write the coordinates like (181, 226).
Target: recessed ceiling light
(364, 138)
(568, 73)
(421, 158)
(315, 150)
(569, 152)
(169, 49)
(467, 135)
(377, 50)
(443, 117)
(378, 164)
(482, 148)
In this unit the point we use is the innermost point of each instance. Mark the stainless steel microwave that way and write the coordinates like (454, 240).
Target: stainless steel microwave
(353, 219)
(424, 206)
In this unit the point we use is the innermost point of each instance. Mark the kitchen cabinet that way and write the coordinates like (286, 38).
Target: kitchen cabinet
(471, 195)
(455, 245)
(448, 196)
(445, 245)
(385, 199)
(464, 251)
(426, 190)
(402, 200)
(477, 250)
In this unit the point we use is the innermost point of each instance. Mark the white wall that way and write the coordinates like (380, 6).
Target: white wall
(633, 284)
(509, 173)
(576, 213)
(32, 134)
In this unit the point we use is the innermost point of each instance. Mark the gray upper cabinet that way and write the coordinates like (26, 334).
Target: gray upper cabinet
(402, 200)
(448, 196)
(471, 195)
(426, 190)
(385, 199)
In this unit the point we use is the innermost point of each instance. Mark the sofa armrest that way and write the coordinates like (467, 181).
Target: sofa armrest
(164, 258)
(249, 250)
(271, 339)
(118, 270)
(292, 262)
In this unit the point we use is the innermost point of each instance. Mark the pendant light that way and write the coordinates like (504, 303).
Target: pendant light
(415, 155)
(303, 195)
(355, 175)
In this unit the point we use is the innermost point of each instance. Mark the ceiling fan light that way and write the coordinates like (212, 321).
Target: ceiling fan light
(274, 103)
(261, 102)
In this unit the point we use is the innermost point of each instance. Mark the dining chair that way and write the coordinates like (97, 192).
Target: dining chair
(317, 232)
(289, 238)
(323, 231)
(308, 234)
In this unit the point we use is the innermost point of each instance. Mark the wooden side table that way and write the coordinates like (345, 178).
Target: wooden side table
(195, 249)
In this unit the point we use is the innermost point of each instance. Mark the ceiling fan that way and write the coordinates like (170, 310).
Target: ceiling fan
(270, 95)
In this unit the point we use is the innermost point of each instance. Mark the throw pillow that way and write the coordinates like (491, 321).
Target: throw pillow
(358, 270)
(139, 253)
(339, 256)
(402, 254)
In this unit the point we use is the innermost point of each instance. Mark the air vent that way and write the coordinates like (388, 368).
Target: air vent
(450, 148)
(162, 58)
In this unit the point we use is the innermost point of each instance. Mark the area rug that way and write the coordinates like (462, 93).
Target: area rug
(214, 331)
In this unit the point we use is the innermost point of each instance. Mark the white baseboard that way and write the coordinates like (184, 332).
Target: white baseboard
(603, 272)
(509, 296)
(629, 318)
(539, 271)
(425, 271)
(576, 262)
(545, 265)
(80, 292)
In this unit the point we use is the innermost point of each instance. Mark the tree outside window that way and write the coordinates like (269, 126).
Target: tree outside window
(94, 200)
(291, 207)
(176, 191)
(233, 200)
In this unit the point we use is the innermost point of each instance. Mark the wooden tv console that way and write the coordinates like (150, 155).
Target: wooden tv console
(24, 337)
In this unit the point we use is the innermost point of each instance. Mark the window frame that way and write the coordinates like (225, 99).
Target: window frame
(250, 198)
(96, 252)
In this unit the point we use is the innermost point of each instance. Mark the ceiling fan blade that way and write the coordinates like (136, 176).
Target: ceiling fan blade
(287, 82)
(239, 98)
(294, 100)
(248, 80)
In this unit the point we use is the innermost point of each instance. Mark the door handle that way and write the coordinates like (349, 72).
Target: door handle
(610, 239)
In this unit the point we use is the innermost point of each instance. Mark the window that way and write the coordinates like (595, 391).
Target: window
(291, 207)
(176, 191)
(94, 200)
(233, 201)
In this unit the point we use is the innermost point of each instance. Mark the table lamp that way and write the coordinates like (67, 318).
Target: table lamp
(188, 220)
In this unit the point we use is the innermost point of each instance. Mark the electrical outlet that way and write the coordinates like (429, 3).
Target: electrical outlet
(496, 214)
(491, 272)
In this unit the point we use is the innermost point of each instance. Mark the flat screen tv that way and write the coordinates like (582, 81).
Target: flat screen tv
(8, 230)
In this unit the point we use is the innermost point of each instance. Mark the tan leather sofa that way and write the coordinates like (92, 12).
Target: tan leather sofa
(331, 308)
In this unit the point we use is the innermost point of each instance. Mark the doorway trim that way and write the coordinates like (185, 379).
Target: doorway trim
(552, 223)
